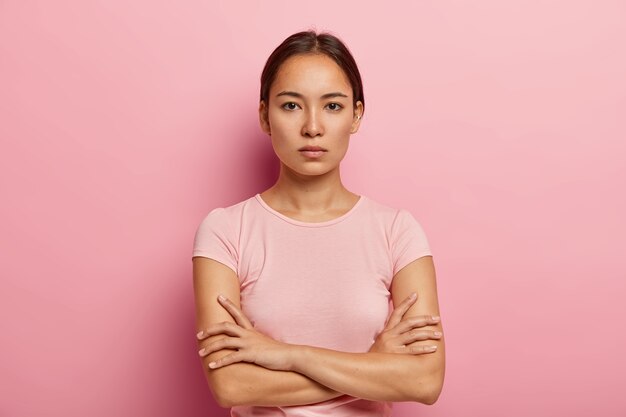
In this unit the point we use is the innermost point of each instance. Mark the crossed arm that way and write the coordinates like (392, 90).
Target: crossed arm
(252, 369)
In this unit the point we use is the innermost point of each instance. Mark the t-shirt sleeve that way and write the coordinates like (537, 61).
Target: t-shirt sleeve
(408, 240)
(214, 239)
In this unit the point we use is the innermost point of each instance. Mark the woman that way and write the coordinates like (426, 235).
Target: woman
(310, 299)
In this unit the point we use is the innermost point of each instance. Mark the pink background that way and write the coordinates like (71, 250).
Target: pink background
(499, 124)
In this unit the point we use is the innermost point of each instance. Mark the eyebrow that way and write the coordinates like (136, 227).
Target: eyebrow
(327, 95)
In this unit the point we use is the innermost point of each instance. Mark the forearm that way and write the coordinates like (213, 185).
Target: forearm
(246, 367)
(250, 384)
(373, 376)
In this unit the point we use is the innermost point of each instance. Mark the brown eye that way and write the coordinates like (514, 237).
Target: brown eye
(290, 106)
(335, 106)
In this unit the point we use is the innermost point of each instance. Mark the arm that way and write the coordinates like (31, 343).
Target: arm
(243, 383)
(372, 375)
(384, 376)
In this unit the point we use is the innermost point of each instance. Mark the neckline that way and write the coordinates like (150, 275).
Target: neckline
(309, 224)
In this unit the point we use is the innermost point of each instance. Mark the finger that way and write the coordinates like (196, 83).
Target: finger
(419, 350)
(400, 311)
(226, 327)
(227, 360)
(416, 321)
(234, 311)
(415, 335)
(223, 343)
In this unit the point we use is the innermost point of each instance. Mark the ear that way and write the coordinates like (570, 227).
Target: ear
(358, 114)
(264, 118)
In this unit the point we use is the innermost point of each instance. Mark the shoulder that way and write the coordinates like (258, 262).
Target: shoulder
(218, 234)
(381, 211)
(230, 214)
(380, 208)
(392, 217)
(222, 223)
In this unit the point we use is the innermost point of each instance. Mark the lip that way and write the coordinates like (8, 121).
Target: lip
(312, 148)
(312, 154)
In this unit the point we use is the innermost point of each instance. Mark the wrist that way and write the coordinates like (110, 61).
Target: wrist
(297, 357)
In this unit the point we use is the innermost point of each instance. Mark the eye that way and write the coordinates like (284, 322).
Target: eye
(335, 106)
(290, 106)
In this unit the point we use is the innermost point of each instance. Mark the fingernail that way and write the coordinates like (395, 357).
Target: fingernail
(435, 317)
(437, 334)
(221, 297)
(200, 334)
(431, 348)
(212, 365)
(412, 296)
(201, 352)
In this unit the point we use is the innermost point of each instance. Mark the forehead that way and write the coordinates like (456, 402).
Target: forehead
(311, 73)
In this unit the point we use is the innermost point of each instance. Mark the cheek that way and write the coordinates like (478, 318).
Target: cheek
(282, 121)
(343, 126)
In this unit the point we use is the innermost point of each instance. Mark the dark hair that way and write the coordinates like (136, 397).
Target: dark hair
(309, 42)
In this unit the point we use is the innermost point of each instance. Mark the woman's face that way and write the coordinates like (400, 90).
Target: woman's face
(310, 104)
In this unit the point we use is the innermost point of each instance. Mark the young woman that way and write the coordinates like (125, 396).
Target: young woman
(312, 300)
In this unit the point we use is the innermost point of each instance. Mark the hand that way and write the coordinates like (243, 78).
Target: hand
(252, 346)
(399, 332)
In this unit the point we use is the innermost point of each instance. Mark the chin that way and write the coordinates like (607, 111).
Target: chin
(309, 168)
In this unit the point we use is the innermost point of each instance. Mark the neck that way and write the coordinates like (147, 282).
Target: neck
(309, 194)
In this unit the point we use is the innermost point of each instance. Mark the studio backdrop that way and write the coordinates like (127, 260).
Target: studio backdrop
(498, 124)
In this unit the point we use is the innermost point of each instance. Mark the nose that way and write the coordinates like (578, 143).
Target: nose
(312, 124)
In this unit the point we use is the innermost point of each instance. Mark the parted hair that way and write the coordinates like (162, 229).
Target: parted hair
(310, 42)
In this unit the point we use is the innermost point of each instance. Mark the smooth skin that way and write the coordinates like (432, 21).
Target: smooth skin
(253, 369)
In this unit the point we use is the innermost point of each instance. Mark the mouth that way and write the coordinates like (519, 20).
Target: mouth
(312, 154)
(312, 149)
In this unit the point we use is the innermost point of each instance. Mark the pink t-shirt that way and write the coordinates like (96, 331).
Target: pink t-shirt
(323, 284)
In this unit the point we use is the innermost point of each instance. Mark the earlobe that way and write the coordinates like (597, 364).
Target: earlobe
(263, 118)
(358, 112)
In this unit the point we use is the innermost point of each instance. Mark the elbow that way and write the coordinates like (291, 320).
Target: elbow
(226, 392)
(225, 396)
(230, 394)
(428, 393)
(431, 397)
(232, 386)
(224, 400)
(435, 388)
(221, 396)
